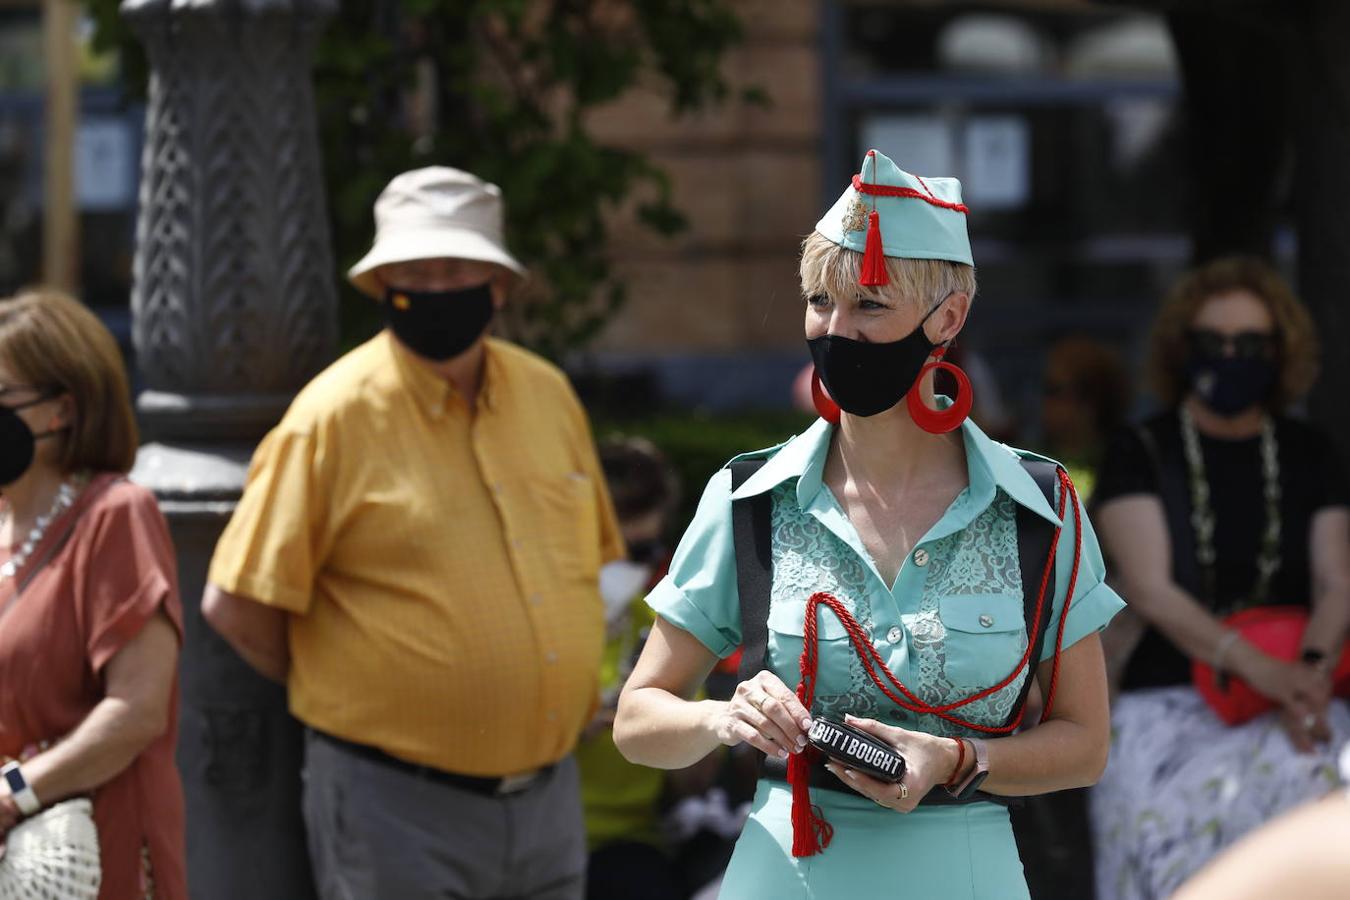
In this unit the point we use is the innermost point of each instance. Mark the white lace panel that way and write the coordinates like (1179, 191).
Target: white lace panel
(980, 560)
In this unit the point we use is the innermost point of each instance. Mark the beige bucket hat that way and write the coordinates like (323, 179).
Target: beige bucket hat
(432, 213)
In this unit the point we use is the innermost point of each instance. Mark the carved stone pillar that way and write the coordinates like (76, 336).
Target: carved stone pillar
(234, 309)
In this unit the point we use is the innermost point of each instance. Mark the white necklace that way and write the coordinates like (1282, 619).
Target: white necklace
(1202, 514)
(64, 499)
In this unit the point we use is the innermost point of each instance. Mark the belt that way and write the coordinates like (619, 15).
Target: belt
(775, 769)
(486, 786)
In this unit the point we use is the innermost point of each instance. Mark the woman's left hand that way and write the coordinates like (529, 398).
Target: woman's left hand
(929, 761)
(10, 814)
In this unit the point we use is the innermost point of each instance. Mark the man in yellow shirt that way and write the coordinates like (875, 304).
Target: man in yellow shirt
(416, 556)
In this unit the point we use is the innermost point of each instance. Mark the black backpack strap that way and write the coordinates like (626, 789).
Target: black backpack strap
(1034, 536)
(751, 533)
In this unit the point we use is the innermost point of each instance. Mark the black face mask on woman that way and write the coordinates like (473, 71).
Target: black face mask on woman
(17, 441)
(1230, 385)
(439, 325)
(866, 379)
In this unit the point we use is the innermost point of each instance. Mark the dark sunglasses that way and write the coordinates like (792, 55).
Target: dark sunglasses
(1245, 344)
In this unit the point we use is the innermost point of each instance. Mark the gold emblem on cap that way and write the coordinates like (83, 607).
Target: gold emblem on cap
(401, 302)
(855, 217)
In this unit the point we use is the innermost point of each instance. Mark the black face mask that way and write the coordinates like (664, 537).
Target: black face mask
(1230, 385)
(439, 325)
(17, 441)
(866, 379)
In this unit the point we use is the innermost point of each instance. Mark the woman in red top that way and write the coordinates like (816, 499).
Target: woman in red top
(90, 619)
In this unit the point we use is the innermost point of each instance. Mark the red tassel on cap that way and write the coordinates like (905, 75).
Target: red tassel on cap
(874, 258)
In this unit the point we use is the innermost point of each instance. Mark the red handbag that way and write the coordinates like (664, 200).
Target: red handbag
(1276, 631)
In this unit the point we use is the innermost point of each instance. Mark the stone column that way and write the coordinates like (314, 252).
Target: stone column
(234, 309)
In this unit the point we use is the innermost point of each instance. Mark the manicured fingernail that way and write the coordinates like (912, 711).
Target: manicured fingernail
(782, 754)
(806, 723)
(848, 773)
(801, 741)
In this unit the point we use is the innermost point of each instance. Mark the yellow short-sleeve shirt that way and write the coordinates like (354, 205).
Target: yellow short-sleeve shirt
(441, 566)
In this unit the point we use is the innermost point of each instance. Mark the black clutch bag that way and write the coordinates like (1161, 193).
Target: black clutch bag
(857, 749)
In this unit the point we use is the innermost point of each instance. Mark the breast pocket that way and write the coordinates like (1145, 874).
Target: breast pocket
(567, 522)
(986, 637)
(787, 630)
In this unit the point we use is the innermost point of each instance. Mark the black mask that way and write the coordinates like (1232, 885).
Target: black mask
(17, 441)
(866, 379)
(1230, 385)
(439, 325)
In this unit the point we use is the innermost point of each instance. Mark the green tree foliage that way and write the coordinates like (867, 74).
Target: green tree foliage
(501, 88)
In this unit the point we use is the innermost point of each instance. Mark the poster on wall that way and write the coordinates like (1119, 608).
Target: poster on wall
(997, 170)
(105, 165)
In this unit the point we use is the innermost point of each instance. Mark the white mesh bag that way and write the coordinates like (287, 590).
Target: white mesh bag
(53, 855)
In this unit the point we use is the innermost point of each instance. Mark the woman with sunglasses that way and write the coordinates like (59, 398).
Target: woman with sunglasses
(1220, 504)
(90, 620)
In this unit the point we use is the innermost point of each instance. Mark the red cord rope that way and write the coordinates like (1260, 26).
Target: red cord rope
(887, 190)
(872, 660)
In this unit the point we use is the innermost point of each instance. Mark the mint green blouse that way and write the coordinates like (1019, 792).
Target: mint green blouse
(951, 625)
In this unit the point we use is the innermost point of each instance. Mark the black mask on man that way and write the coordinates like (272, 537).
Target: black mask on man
(439, 325)
(1230, 385)
(866, 379)
(17, 441)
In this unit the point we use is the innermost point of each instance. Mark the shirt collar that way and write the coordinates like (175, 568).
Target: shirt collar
(991, 466)
(432, 392)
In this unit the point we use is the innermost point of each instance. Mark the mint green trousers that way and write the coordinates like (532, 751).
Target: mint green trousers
(962, 852)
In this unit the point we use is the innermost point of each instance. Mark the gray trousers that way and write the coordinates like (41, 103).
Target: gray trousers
(378, 833)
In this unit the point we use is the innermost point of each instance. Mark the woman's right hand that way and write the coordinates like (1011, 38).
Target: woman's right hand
(766, 714)
(1289, 684)
(1301, 691)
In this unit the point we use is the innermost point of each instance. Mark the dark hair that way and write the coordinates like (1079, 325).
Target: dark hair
(53, 340)
(640, 478)
(1294, 333)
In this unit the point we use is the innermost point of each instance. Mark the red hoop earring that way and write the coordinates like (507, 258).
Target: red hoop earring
(941, 421)
(825, 406)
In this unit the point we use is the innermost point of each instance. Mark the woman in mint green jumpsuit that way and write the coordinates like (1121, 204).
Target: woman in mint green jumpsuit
(940, 601)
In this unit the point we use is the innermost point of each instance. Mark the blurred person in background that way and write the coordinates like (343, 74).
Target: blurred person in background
(90, 618)
(904, 518)
(1220, 504)
(417, 555)
(622, 802)
(1084, 402)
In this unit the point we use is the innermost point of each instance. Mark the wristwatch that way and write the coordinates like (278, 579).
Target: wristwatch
(978, 773)
(23, 795)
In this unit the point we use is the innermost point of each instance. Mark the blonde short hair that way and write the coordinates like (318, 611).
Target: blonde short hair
(832, 269)
(54, 341)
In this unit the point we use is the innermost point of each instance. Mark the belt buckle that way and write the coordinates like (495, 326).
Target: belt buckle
(514, 784)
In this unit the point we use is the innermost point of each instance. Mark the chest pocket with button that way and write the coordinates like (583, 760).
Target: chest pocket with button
(985, 637)
(786, 623)
(561, 514)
